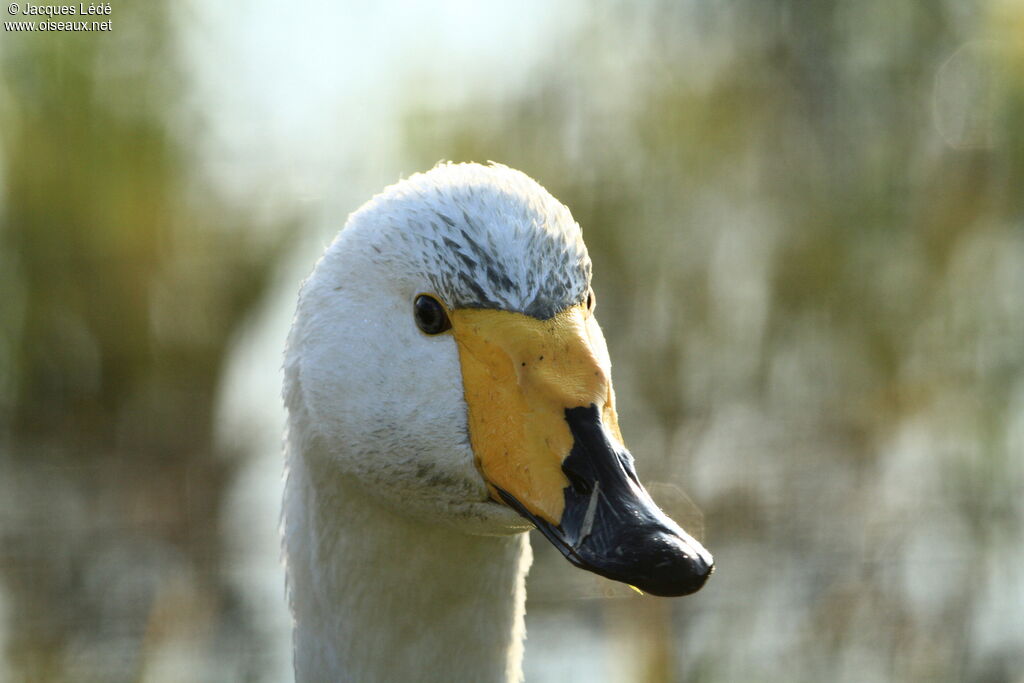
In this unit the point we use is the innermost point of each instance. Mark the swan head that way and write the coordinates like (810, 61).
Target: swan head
(445, 355)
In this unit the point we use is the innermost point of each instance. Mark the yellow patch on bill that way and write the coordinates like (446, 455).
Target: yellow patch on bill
(520, 375)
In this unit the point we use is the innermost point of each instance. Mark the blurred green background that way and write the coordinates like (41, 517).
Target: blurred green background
(807, 227)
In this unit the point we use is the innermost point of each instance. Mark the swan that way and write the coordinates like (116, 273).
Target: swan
(448, 388)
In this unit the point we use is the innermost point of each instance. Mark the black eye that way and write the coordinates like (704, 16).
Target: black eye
(430, 315)
(590, 300)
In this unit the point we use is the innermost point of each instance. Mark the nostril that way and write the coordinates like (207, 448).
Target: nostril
(579, 484)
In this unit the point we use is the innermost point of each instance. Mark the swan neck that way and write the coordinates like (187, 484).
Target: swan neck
(377, 595)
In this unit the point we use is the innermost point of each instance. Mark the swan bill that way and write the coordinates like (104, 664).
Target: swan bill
(544, 430)
(611, 525)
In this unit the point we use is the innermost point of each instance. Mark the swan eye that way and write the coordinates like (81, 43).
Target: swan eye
(591, 301)
(430, 315)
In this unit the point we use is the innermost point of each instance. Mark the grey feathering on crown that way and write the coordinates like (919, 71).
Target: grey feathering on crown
(456, 218)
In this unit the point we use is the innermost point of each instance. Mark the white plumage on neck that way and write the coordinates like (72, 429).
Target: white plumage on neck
(381, 596)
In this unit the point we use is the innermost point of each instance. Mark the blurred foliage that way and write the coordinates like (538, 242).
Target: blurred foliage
(125, 277)
(123, 281)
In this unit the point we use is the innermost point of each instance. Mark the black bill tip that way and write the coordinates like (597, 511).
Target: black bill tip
(659, 562)
(610, 524)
